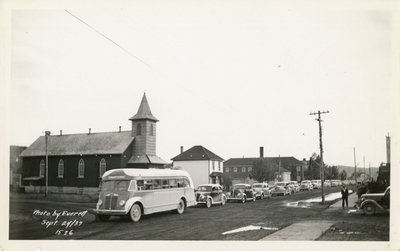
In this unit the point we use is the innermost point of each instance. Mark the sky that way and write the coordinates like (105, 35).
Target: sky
(229, 76)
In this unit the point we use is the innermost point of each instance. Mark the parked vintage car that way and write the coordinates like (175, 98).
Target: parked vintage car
(210, 194)
(278, 190)
(335, 183)
(327, 183)
(370, 202)
(316, 184)
(242, 193)
(261, 190)
(285, 184)
(306, 185)
(296, 185)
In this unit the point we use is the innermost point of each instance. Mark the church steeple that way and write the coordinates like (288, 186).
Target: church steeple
(144, 131)
(144, 112)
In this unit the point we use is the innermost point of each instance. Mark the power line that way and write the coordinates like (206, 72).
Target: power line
(109, 39)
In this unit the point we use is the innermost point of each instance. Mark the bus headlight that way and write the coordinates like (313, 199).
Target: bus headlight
(121, 203)
(100, 202)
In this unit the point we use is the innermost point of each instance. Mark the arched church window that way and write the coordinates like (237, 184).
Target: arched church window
(41, 169)
(81, 169)
(103, 167)
(61, 168)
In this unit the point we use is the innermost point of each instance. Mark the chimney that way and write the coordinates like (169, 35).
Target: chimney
(261, 152)
(60, 132)
(119, 128)
(181, 149)
(90, 130)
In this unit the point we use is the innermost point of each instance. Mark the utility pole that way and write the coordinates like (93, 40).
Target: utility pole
(322, 169)
(47, 134)
(364, 168)
(370, 171)
(279, 169)
(355, 165)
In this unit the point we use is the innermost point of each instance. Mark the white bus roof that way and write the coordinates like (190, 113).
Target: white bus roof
(151, 172)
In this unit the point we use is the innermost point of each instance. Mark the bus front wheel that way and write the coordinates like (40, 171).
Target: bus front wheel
(181, 207)
(135, 213)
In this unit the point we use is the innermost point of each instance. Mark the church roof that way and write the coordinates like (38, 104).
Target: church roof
(81, 144)
(197, 153)
(144, 111)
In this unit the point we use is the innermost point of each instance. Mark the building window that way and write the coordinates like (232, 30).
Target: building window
(213, 164)
(41, 169)
(249, 168)
(81, 169)
(243, 169)
(103, 167)
(139, 130)
(151, 130)
(60, 168)
(219, 166)
(235, 169)
(227, 169)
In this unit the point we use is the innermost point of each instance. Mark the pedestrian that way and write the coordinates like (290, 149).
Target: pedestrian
(345, 195)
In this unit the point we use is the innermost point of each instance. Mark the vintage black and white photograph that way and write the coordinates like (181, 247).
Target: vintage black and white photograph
(220, 123)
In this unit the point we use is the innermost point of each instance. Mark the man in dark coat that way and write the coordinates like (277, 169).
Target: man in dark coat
(345, 195)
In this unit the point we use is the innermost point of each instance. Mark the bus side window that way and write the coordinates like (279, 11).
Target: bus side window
(180, 183)
(156, 184)
(164, 184)
(148, 184)
(173, 183)
(140, 185)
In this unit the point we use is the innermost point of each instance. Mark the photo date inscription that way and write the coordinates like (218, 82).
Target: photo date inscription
(64, 222)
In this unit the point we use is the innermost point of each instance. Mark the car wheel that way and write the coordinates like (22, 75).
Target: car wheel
(135, 213)
(223, 201)
(243, 199)
(103, 217)
(181, 207)
(369, 209)
(209, 203)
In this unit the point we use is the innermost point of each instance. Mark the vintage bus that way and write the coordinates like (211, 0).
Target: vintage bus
(137, 192)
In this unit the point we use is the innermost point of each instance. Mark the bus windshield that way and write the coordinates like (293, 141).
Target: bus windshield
(115, 185)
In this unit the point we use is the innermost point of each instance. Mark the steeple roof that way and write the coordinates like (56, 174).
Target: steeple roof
(144, 111)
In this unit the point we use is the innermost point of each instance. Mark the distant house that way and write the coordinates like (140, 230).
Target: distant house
(16, 165)
(284, 168)
(203, 165)
(76, 162)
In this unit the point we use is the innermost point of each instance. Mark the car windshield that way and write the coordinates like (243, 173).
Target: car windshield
(239, 187)
(280, 184)
(204, 188)
(257, 186)
(305, 182)
(115, 185)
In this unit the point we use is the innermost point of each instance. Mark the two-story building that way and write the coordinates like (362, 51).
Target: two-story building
(283, 168)
(204, 166)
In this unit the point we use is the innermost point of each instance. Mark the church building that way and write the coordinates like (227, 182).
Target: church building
(76, 162)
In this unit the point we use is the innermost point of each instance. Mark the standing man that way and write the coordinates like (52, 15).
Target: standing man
(345, 195)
